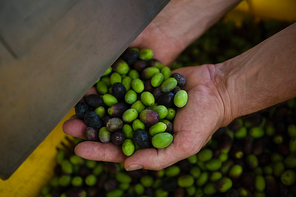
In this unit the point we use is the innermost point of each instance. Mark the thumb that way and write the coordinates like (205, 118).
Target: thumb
(182, 147)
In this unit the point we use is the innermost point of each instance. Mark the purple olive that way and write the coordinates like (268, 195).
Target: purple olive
(117, 137)
(91, 134)
(149, 117)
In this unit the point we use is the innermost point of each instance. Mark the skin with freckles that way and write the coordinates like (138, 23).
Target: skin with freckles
(217, 94)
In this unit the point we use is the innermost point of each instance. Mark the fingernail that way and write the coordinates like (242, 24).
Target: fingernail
(134, 167)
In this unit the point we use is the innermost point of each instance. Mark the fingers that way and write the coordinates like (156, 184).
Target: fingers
(184, 145)
(100, 151)
(74, 127)
(92, 90)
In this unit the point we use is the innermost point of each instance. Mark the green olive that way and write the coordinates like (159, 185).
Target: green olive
(145, 54)
(128, 148)
(109, 99)
(162, 140)
(157, 79)
(168, 85)
(147, 98)
(130, 97)
(157, 128)
(137, 85)
(129, 115)
(180, 98)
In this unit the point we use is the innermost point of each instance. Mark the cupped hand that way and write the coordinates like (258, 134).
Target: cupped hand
(193, 126)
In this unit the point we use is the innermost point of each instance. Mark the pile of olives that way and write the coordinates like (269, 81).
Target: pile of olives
(136, 103)
(253, 156)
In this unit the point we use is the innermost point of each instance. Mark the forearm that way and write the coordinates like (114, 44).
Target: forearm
(259, 78)
(191, 18)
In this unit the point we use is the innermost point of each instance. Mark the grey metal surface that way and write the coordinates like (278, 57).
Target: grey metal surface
(51, 53)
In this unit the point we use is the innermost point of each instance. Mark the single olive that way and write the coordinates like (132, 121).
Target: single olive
(149, 117)
(120, 66)
(210, 189)
(172, 171)
(145, 54)
(260, 183)
(166, 71)
(147, 99)
(138, 124)
(91, 134)
(130, 56)
(109, 99)
(203, 178)
(224, 184)
(213, 164)
(157, 79)
(141, 138)
(118, 90)
(180, 98)
(162, 140)
(137, 85)
(104, 135)
(133, 74)
(123, 177)
(117, 138)
(114, 124)
(140, 65)
(128, 131)
(117, 109)
(157, 128)
(80, 109)
(129, 115)
(149, 72)
(126, 81)
(102, 87)
(94, 100)
(101, 111)
(138, 105)
(92, 119)
(195, 171)
(235, 172)
(166, 99)
(171, 114)
(128, 147)
(130, 97)
(67, 167)
(185, 180)
(115, 78)
(256, 132)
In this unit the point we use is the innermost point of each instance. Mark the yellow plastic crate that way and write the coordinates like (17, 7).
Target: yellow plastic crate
(281, 10)
(37, 170)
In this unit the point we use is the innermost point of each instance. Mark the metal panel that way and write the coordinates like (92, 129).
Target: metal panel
(48, 76)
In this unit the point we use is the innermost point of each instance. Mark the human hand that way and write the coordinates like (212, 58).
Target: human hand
(164, 35)
(193, 126)
(178, 25)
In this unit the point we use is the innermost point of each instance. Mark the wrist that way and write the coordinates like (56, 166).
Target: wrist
(194, 18)
(223, 85)
(259, 78)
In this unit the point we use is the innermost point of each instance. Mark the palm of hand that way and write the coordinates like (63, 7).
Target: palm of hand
(193, 126)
